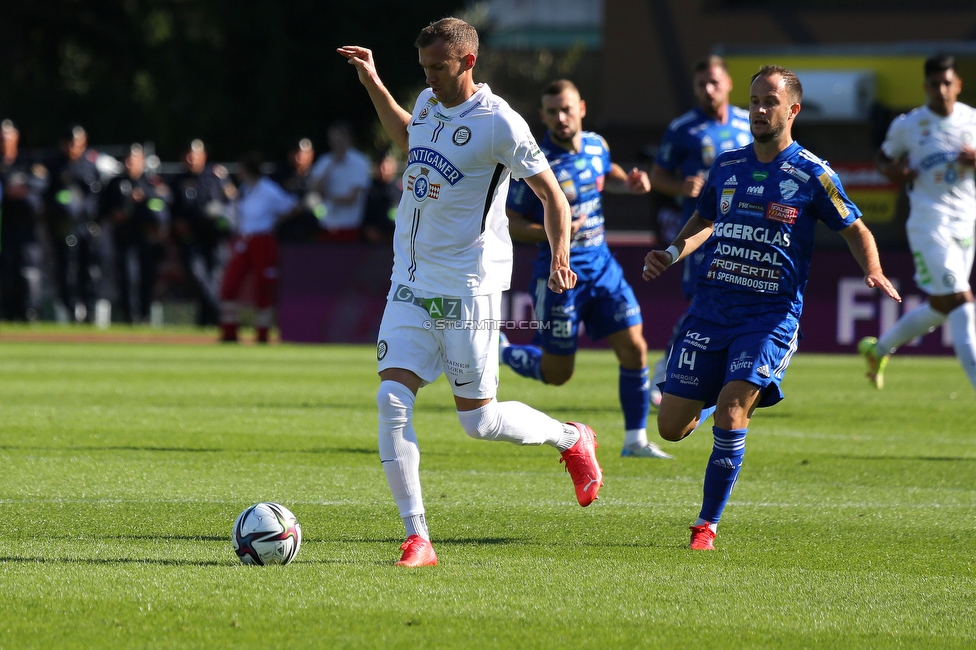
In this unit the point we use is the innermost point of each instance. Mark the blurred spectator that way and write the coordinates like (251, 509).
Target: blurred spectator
(296, 179)
(382, 201)
(200, 204)
(342, 178)
(261, 204)
(21, 204)
(137, 208)
(70, 215)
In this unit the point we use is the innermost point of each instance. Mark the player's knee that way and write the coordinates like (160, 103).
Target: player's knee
(481, 423)
(394, 401)
(673, 429)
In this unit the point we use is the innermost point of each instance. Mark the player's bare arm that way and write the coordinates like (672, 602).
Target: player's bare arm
(392, 116)
(665, 182)
(865, 251)
(556, 219)
(695, 233)
(523, 230)
(897, 171)
(635, 181)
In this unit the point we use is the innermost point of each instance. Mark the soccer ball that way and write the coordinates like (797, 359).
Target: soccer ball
(266, 533)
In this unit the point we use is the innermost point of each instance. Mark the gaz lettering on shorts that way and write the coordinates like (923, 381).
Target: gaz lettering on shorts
(439, 308)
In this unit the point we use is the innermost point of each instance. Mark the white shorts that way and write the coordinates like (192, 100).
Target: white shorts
(943, 260)
(429, 335)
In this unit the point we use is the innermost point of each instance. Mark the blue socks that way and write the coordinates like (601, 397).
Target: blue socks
(723, 469)
(635, 397)
(525, 360)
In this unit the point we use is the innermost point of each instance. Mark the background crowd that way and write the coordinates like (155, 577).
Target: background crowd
(83, 231)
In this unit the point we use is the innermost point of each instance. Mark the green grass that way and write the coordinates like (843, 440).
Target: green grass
(123, 467)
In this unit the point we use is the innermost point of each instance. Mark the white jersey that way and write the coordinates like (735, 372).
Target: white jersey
(451, 230)
(944, 193)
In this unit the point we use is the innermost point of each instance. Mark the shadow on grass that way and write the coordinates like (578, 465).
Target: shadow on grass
(191, 450)
(111, 561)
(964, 459)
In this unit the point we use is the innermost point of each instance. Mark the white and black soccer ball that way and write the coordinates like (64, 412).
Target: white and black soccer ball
(266, 533)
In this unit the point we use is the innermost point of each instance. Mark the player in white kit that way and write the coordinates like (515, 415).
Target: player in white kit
(452, 260)
(932, 150)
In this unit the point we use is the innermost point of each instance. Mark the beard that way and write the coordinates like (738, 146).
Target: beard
(769, 136)
(563, 141)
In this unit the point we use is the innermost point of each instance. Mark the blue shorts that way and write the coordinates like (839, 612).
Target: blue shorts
(604, 305)
(706, 356)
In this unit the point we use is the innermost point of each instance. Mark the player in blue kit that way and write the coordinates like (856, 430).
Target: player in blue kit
(687, 151)
(602, 300)
(755, 222)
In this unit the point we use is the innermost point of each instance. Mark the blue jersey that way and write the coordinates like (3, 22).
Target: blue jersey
(694, 139)
(757, 259)
(581, 176)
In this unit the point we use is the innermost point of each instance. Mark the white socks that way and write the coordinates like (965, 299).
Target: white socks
(918, 322)
(962, 324)
(517, 423)
(400, 454)
(635, 438)
(923, 319)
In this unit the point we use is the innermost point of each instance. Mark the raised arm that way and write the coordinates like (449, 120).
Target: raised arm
(865, 251)
(392, 116)
(556, 217)
(695, 233)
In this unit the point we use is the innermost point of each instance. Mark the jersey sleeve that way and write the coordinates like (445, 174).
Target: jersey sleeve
(832, 204)
(707, 201)
(522, 200)
(669, 155)
(515, 147)
(895, 144)
(607, 161)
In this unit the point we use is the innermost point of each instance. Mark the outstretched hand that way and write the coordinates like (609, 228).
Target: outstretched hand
(880, 281)
(362, 59)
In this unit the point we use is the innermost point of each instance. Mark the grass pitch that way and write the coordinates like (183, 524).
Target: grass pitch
(123, 467)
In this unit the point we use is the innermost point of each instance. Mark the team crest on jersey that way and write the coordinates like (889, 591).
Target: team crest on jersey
(461, 136)
(569, 189)
(788, 188)
(421, 186)
(726, 203)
